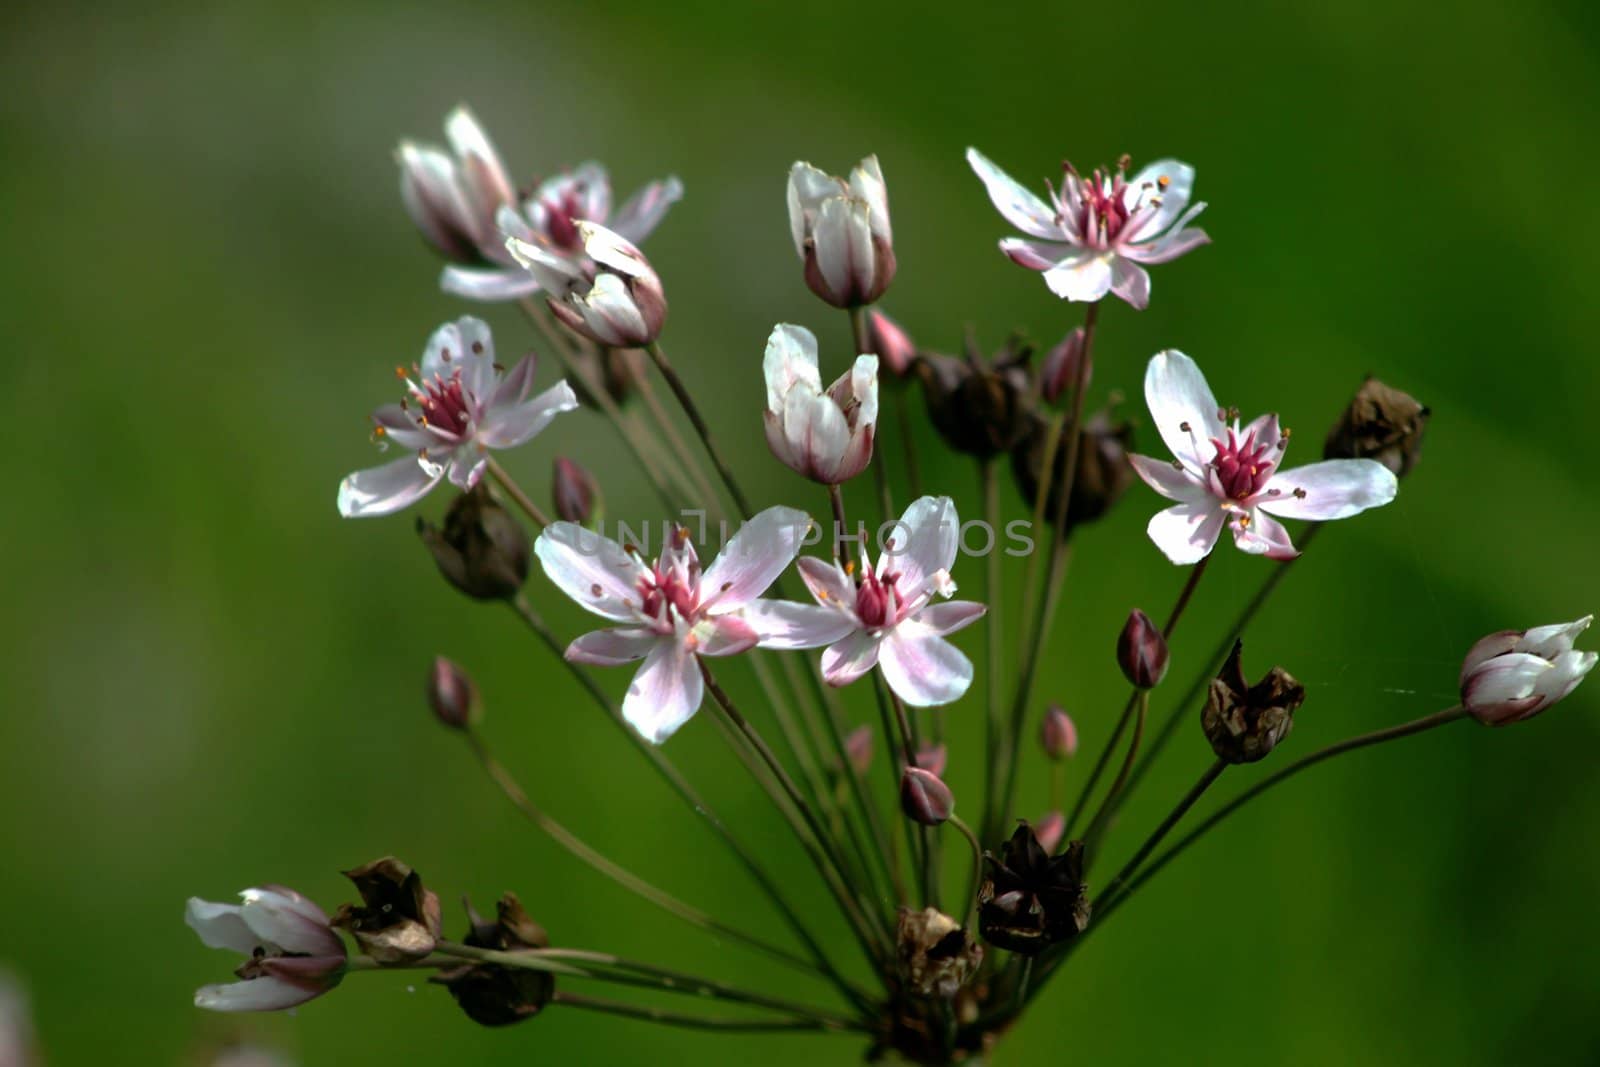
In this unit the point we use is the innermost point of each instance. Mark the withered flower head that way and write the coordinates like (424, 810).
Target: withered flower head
(1104, 473)
(937, 955)
(1244, 722)
(1381, 423)
(482, 550)
(398, 919)
(1030, 899)
(979, 405)
(492, 995)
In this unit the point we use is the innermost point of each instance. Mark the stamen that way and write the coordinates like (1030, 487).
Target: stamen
(477, 348)
(1163, 181)
(1299, 493)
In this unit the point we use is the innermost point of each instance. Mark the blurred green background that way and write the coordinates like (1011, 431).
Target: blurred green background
(212, 681)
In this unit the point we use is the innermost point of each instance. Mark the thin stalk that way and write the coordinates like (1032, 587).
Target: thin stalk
(925, 834)
(1041, 498)
(880, 470)
(994, 643)
(617, 873)
(698, 1022)
(680, 447)
(908, 442)
(893, 741)
(977, 868)
(841, 528)
(514, 491)
(692, 410)
(1097, 823)
(1196, 791)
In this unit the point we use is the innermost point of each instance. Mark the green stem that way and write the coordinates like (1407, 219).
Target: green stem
(977, 868)
(692, 410)
(698, 1022)
(513, 490)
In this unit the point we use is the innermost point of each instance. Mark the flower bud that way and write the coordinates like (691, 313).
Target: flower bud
(937, 956)
(1382, 424)
(612, 297)
(398, 920)
(858, 749)
(932, 758)
(890, 343)
(841, 232)
(493, 995)
(1049, 830)
(292, 953)
(1515, 674)
(574, 492)
(482, 550)
(979, 406)
(823, 435)
(1062, 365)
(1057, 734)
(1029, 899)
(1104, 473)
(1142, 651)
(924, 797)
(453, 196)
(1244, 722)
(452, 695)
(17, 1047)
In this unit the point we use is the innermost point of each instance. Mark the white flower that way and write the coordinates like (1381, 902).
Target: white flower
(1515, 674)
(1097, 230)
(841, 232)
(826, 436)
(611, 295)
(887, 616)
(454, 196)
(291, 953)
(1223, 475)
(458, 407)
(670, 613)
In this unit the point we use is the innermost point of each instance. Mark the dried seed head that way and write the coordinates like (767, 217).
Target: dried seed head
(979, 406)
(398, 920)
(937, 956)
(1381, 423)
(1030, 899)
(1244, 722)
(1104, 473)
(924, 797)
(482, 550)
(1142, 651)
(493, 995)
(452, 695)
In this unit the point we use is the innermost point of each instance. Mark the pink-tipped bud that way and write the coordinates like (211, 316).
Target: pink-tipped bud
(1142, 651)
(1062, 365)
(890, 343)
(858, 748)
(452, 695)
(924, 797)
(574, 491)
(1049, 829)
(1515, 674)
(932, 758)
(1057, 735)
(841, 232)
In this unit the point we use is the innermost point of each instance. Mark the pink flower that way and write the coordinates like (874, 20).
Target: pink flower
(1097, 230)
(291, 953)
(824, 435)
(1515, 674)
(458, 407)
(671, 613)
(610, 295)
(1223, 475)
(886, 616)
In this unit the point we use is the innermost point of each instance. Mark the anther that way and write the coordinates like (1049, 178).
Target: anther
(1300, 494)
(1163, 181)
(477, 348)
(444, 354)
(595, 589)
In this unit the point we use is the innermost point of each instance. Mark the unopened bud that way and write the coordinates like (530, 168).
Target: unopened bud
(937, 955)
(841, 232)
(1062, 365)
(452, 695)
(1057, 735)
(858, 749)
(924, 797)
(574, 491)
(1382, 424)
(890, 343)
(398, 919)
(1515, 674)
(1142, 651)
(1104, 473)
(1244, 722)
(1049, 829)
(482, 550)
(932, 758)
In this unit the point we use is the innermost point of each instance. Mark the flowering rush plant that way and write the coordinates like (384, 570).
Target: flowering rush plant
(856, 644)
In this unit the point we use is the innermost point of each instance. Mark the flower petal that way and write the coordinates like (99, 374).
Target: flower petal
(1129, 281)
(1552, 641)
(922, 667)
(614, 647)
(1187, 532)
(386, 489)
(790, 362)
(517, 383)
(723, 635)
(828, 582)
(642, 212)
(290, 922)
(1020, 207)
(255, 994)
(1262, 535)
(1085, 277)
(850, 658)
(665, 693)
(949, 616)
(867, 184)
(755, 556)
(783, 624)
(1332, 489)
(1502, 679)
(220, 926)
(1178, 397)
(1173, 182)
(1168, 248)
(1037, 255)
(488, 285)
(507, 427)
(593, 570)
(923, 543)
(842, 238)
(808, 187)
(1174, 483)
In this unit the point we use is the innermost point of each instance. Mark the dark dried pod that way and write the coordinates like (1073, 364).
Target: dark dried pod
(1244, 722)
(1030, 899)
(1104, 473)
(937, 955)
(494, 995)
(482, 550)
(398, 919)
(979, 406)
(1381, 423)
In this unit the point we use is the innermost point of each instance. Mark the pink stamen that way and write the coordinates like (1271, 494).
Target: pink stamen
(1242, 467)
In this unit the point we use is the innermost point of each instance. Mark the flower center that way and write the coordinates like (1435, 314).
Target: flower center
(444, 404)
(565, 212)
(1242, 467)
(877, 600)
(671, 587)
(1101, 204)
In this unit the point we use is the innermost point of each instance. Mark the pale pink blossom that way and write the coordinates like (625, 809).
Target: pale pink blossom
(610, 295)
(825, 435)
(1223, 475)
(670, 613)
(1092, 236)
(841, 232)
(458, 406)
(1515, 674)
(888, 617)
(290, 951)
